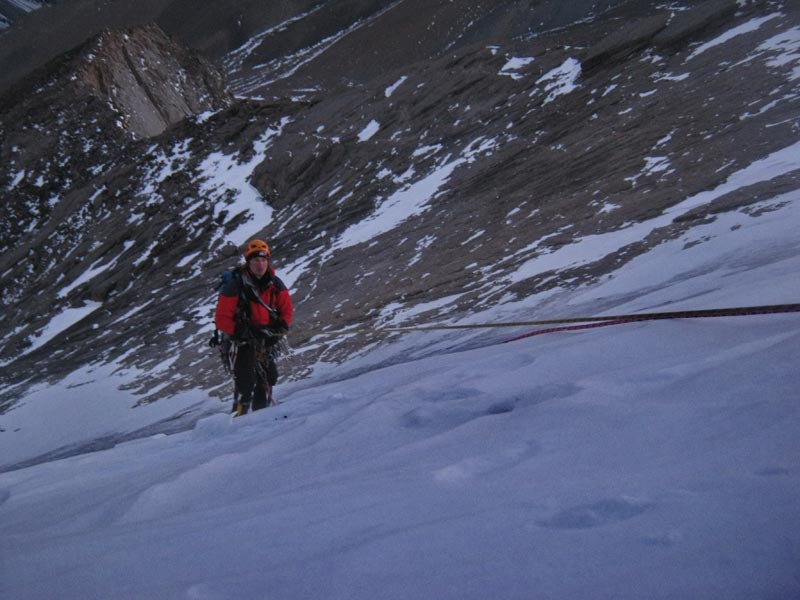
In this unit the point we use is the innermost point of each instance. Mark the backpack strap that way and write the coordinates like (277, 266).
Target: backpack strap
(249, 292)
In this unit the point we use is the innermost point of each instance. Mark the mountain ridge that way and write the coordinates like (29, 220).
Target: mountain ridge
(491, 165)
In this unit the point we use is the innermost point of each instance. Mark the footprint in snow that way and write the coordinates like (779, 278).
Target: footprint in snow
(773, 472)
(595, 514)
(500, 460)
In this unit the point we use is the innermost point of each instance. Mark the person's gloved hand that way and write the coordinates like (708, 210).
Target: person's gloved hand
(214, 341)
(225, 343)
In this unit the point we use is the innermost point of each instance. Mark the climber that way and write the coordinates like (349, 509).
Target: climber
(254, 311)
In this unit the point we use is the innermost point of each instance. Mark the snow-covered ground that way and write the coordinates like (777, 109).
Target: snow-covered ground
(647, 460)
(657, 460)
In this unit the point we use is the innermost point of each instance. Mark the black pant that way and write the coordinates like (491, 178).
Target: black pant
(254, 381)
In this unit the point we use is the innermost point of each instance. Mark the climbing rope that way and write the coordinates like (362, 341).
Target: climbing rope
(683, 314)
(577, 323)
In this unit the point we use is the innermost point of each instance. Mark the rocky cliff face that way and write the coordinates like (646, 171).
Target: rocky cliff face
(491, 153)
(149, 81)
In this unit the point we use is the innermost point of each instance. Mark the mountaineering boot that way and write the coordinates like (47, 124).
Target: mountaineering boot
(241, 409)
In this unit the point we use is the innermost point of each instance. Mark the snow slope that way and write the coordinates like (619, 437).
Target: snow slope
(657, 460)
(647, 460)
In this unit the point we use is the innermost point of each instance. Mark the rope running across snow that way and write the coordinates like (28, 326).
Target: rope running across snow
(578, 323)
(686, 314)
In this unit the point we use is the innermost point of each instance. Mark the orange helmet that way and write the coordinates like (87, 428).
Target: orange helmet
(256, 248)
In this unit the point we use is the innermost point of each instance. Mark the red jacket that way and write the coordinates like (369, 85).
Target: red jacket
(270, 289)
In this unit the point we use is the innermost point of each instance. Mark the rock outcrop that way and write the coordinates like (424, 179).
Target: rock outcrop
(149, 80)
